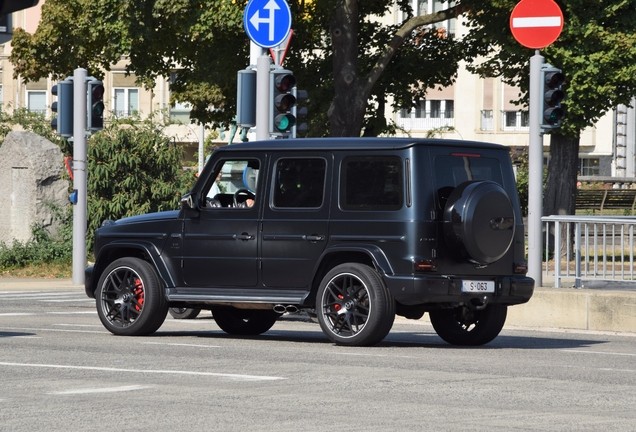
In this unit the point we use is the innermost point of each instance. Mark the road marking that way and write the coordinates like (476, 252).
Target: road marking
(92, 312)
(100, 390)
(239, 377)
(182, 344)
(79, 325)
(48, 313)
(599, 352)
(373, 355)
(17, 314)
(54, 330)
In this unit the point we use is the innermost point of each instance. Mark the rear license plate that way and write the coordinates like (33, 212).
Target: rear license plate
(478, 286)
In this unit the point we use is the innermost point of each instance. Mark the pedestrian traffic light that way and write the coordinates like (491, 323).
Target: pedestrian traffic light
(299, 112)
(63, 107)
(282, 103)
(246, 98)
(551, 112)
(95, 119)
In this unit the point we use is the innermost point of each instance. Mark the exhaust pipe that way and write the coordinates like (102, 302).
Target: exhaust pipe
(281, 309)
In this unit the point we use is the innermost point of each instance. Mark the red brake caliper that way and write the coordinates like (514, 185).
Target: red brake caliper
(139, 294)
(337, 307)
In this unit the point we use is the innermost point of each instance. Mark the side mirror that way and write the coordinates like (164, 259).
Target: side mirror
(187, 202)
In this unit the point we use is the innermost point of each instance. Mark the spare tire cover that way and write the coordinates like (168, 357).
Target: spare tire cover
(479, 222)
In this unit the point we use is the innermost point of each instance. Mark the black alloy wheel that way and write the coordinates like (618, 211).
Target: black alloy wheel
(354, 306)
(130, 301)
(468, 327)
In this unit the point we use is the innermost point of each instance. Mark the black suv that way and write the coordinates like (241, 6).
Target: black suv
(353, 231)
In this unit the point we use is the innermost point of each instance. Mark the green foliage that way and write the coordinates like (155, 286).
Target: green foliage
(596, 51)
(133, 168)
(32, 122)
(43, 247)
(205, 42)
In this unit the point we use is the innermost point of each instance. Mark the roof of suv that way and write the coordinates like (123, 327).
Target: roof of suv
(353, 144)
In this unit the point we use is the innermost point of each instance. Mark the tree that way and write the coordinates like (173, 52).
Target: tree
(133, 168)
(597, 53)
(205, 42)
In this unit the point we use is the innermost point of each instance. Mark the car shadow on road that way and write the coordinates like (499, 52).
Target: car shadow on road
(416, 339)
(15, 334)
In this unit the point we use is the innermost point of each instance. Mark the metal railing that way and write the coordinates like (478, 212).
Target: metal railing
(589, 247)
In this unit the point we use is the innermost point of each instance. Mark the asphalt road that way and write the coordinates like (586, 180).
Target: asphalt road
(61, 370)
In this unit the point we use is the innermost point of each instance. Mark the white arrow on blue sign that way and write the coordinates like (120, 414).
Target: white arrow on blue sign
(267, 22)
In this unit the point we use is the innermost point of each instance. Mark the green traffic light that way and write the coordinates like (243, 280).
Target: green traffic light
(284, 122)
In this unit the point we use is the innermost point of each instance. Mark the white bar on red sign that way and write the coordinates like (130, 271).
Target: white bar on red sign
(553, 21)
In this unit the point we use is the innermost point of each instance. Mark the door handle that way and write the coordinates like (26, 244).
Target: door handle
(314, 238)
(244, 236)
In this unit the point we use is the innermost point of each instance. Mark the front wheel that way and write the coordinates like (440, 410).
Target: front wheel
(467, 327)
(354, 306)
(130, 301)
(244, 322)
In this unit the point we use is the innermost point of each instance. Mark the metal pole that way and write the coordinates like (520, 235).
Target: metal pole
(79, 175)
(535, 172)
(255, 52)
(201, 146)
(262, 98)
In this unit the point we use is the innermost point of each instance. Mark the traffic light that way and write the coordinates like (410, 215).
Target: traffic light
(246, 98)
(299, 112)
(551, 93)
(282, 102)
(95, 119)
(63, 107)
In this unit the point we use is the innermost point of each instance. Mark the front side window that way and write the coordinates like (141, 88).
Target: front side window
(371, 183)
(234, 185)
(299, 183)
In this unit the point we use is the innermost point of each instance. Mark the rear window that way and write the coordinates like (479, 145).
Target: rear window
(371, 183)
(454, 169)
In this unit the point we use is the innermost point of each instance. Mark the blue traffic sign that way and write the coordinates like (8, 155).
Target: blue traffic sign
(267, 22)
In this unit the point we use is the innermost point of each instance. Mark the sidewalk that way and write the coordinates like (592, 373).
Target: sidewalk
(607, 307)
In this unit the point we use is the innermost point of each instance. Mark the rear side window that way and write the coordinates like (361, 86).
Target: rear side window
(371, 183)
(299, 183)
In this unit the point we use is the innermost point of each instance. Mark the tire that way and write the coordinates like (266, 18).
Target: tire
(354, 307)
(466, 327)
(130, 298)
(479, 222)
(244, 322)
(184, 313)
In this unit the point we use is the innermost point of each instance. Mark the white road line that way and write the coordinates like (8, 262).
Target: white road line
(182, 344)
(239, 377)
(54, 330)
(17, 314)
(87, 300)
(31, 294)
(598, 352)
(79, 325)
(100, 390)
(91, 312)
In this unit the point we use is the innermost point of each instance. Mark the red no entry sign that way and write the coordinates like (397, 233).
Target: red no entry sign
(536, 23)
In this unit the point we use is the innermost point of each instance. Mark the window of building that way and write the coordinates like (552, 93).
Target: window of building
(589, 167)
(125, 101)
(486, 120)
(36, 96)
(515, 120)
(36, 101)
(371, 183)
(180, 111)
(424, 7)
(125, 95)
(299, 183)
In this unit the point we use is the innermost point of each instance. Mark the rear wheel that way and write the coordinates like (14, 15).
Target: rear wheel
(184, 313)
(467, 327)
(354, 306)
(130, 301)
(244, 322)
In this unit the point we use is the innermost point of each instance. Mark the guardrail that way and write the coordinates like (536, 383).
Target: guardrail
(589, 247)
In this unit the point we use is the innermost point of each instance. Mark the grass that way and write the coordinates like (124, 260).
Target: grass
(54, 270)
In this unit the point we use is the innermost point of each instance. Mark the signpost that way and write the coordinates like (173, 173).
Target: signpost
(267, 22)
(535, 24)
